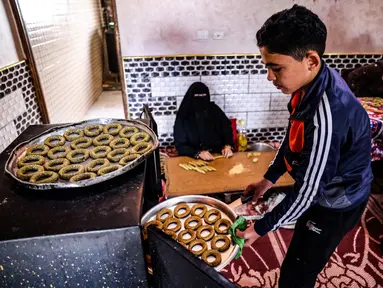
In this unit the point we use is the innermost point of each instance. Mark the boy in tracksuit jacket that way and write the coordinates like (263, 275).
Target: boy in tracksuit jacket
(326, 148)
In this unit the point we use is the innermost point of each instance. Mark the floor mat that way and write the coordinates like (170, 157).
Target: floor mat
(357, 262)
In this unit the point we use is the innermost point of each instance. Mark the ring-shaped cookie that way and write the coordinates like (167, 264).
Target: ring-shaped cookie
(129, 158)
(172, 221)
(222, 248)
(214, 253)
(31, 160)
(69, 171)
(107, 170)
(27, 171)
(56, 165)
(39, 149)
(71, 156)
(163, 212)
(97, 164)
(181, 235)
(128, 132)
(193, 219)
(179, 207)
(142, 148)
(220, 222)
(139, 138)
(55, 141)
(196, 243)
(196, 207)
(81, 143)
(120, 143)
(112, 128)
(117, 155)
(210, 213)
(58, 152)
(82, 176)
(102, 140)
(93, 130)
(99, 152)
(205, 228)
(44, 177)
(73, 134)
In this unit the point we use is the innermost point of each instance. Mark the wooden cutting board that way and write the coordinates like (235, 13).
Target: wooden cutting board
(181, 182)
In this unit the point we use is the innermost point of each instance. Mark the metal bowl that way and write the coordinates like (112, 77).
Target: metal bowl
(261, 147)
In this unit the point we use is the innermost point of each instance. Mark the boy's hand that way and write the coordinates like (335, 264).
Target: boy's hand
(258, 188)
(249, 234)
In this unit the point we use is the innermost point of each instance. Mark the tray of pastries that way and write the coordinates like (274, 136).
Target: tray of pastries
(81, 154)
(199, 223)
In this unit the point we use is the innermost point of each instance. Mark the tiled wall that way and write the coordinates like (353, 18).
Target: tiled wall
(237, 84)
(66, 38)
(18, 103)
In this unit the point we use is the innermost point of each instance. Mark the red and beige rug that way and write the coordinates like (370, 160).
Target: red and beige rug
(357, 262)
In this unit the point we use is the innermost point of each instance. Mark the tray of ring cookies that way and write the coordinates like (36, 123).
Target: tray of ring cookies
(81, 154)
(199, 223)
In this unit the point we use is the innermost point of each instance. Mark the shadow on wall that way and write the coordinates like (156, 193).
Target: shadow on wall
(96, 72)
(339, 28)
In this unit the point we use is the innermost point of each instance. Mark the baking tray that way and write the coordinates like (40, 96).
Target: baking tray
(20, 151)
(225, 210)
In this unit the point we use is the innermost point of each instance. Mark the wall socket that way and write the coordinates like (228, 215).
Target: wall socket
(218, 35)
(202, 34)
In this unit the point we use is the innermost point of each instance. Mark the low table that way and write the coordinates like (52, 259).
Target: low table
(181, 182)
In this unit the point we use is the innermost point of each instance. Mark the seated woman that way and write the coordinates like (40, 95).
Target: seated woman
(201, 127)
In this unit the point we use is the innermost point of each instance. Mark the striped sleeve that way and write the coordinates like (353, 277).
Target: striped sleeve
(299, 200)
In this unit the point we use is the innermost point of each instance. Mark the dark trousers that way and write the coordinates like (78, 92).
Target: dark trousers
(317, 234)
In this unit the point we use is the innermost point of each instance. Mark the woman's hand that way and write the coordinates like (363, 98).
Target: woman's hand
(227, 152)
(205, 155)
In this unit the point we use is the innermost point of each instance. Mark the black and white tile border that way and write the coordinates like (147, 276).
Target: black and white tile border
(17, 93)
(141, 73)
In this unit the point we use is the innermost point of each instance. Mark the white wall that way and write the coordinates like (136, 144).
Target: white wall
(166, 27)
(8, 48)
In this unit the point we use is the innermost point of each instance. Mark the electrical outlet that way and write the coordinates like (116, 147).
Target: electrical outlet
(218, 35)
(202, 34)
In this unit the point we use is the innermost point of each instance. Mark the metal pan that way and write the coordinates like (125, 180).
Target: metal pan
(226, 211)
(20, 151)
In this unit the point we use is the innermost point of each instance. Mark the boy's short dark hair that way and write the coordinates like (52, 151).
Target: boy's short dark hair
(293, 32)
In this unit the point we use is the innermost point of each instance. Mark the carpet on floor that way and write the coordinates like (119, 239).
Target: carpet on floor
(357, 262)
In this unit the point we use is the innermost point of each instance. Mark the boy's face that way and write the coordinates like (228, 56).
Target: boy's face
(286, 73)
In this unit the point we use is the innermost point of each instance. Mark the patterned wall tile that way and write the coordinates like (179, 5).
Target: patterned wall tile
(227, 84)
(260, 84)
(11, 107)
(238, 84)
(219, 100)
(279, 102)
(267, 119)
(247, 102)
(7, 134)
(172, 86)
(18, 102)
(165, 124)
(67, 49)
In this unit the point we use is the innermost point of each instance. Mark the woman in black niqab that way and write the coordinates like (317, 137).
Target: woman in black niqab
(201, 127)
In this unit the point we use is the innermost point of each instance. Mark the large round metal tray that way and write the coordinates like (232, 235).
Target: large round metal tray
(226, 211)
(20, 151)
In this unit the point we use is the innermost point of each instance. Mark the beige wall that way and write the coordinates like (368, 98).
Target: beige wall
(9, 44)
(152, 27)
(66, 38)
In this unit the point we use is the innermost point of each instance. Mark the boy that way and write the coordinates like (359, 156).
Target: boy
(326, 148)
